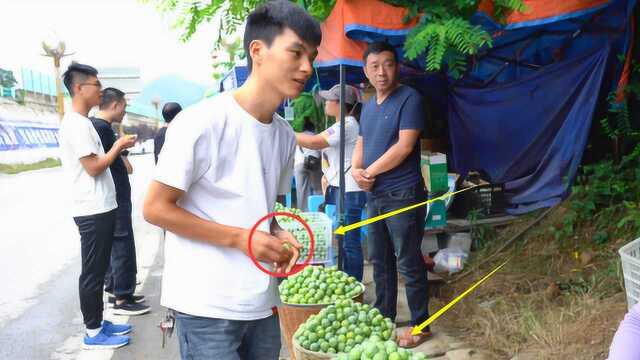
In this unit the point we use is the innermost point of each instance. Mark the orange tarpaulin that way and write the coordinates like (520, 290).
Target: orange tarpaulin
(544, 11)
(356, 17)
(352, 23)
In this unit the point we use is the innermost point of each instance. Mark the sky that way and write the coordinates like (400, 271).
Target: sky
(103, 33)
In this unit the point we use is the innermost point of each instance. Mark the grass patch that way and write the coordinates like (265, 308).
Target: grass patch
(18, 168)
(551, 301)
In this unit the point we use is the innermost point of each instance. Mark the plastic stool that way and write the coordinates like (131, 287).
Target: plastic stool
(314, 201)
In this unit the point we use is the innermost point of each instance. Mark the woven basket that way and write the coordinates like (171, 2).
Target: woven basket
(301, 353)
(293, 315)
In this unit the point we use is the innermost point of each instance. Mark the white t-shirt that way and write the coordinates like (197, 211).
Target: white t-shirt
(231, 167)
(332, 135)
(90, 195)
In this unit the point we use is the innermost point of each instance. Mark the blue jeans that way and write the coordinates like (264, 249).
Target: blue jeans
(203, 338)
(354, 201)
(394, 246)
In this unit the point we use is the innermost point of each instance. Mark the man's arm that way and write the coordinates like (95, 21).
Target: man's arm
(95, 165)
(396, 153)
(160, 208)
(313, 142)
(356, 157)
(127, 164)
(364, 180)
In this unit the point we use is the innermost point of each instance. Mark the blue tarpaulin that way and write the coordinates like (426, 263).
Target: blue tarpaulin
(523, 114)
(529, 134)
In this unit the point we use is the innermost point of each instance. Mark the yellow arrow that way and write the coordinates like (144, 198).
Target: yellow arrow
(418, 329)
(343, 229)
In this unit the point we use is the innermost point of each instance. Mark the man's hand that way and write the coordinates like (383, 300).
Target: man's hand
(272, 249)
(364, 180)
(290, 245)
(125, 142)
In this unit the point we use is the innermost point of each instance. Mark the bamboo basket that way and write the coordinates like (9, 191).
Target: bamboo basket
(293, 315)
(300, 353)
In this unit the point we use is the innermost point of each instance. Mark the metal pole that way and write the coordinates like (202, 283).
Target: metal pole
(340, 202)
(59, 91)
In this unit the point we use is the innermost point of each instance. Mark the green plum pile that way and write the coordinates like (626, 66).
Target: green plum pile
(319, 285)
(377, 349)
(341, 327)
(285, 219)
(321, 232)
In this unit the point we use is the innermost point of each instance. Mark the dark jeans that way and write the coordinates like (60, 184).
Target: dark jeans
(96, 236)
(354, 202)
(120, 279)
(394, 246)
(220, 339)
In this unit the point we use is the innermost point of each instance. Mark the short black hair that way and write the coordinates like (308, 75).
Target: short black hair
(77, 73)
(270, 19)
(170, 110)
(377, 47)
(109, 96)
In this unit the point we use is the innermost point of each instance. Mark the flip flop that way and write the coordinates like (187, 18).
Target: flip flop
(408, 341)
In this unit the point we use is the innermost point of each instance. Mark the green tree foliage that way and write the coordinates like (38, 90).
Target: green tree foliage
(7, 80)
(617, 123)
(607, 193)
(443, 31)
(235, 52)
(229, 14)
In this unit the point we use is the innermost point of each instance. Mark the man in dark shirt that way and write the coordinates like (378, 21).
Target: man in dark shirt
(385, 163)
(169, 111)
(121, 275)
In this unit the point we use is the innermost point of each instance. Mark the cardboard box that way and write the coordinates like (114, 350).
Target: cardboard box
(434, 171)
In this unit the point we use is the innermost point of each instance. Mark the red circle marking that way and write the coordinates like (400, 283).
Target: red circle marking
(296, 268)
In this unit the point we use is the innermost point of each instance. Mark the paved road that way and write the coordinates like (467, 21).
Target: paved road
(40, 257)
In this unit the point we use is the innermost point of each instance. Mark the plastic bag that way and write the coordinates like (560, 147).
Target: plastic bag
(450, 260)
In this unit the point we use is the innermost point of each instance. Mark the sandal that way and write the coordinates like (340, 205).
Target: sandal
(408, 341)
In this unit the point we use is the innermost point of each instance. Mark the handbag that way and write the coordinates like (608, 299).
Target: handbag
(311, 163)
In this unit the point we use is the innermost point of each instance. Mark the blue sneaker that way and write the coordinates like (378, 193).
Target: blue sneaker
(104, 341)
(110, 328)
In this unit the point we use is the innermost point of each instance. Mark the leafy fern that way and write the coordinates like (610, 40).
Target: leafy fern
(443, 32)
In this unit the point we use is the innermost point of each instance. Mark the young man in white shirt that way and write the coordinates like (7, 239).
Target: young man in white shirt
(93, 201)
(224, 162)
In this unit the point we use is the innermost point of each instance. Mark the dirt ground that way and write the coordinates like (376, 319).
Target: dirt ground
(555, 299)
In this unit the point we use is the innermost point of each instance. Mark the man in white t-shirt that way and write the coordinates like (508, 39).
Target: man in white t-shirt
(93, 201)
(224, 162)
